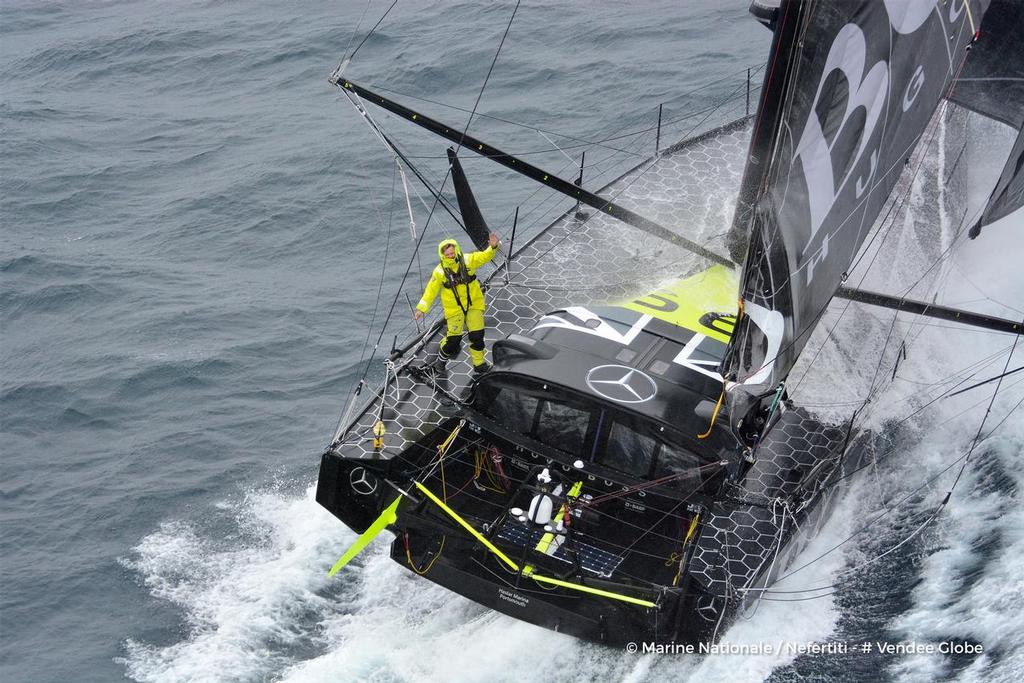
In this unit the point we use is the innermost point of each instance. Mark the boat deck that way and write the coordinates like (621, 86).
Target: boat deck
(689, 188)
(596, 259)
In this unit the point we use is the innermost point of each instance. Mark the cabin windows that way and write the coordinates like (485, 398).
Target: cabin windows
(557, 422)
(628, 451)
(515, 410)
(586, 430)
(562, 426)
(677, 461)
(632, 449)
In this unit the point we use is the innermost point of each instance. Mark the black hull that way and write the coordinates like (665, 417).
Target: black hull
(478, 577)
(692, 612)
(694, 561)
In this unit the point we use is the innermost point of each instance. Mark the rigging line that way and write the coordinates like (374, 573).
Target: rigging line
(846, 307)
(881, 358)
(436, 193)
(910, 329)
(988, 411)
(635, 135)
(983, 292)
(367, 37)
(398, 154)
(584, 141)
(613, 198)
(991, 379)
(487, 78)
(430, 215)
(892, 451)
(881, 515)
(408, 269)
(942, 395)
(775, 556)
(525, 216)
(1005, 417)
(352, 36)
(465, 491)
(954, 377)
(889, 508)
(553, 144)
(712, 110)
(380, 285)
(356, 388)
(648, 530)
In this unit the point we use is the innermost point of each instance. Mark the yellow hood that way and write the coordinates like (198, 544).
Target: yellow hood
(450, 264)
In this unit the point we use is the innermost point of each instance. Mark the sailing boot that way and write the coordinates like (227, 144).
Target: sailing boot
(476, 352)
(447, 350)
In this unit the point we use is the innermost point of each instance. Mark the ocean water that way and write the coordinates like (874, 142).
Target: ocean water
(194, 229)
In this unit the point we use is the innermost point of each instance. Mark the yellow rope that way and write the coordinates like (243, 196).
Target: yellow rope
(682, 555)
(441, 450)
(714, 416)
(970, 16)
(515, 567)
(408, 556)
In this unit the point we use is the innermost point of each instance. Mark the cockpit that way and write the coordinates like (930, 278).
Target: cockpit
(621, 442)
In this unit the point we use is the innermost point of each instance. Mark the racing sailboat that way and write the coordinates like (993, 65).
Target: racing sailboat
(633, 467)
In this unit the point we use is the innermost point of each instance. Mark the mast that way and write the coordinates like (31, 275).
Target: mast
(849, 92)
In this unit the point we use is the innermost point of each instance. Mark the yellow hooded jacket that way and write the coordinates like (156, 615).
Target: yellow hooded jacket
(456, 296)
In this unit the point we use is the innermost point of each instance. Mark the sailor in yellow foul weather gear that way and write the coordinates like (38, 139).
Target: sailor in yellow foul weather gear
(461, 297)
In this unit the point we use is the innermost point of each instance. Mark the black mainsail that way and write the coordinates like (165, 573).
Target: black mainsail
(850, 90)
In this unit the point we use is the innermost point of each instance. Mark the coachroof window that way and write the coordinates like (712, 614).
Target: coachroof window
(586, 430)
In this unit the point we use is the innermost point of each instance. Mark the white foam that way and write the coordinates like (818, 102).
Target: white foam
(244, 596)
(409, 629)
(949, 602)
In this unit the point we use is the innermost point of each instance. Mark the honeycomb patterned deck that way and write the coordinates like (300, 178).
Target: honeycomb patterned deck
(592, 258)
(740, 541)
(690, 188)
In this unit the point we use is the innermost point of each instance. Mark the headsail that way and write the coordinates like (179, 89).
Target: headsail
(850, 89)
(992, 84)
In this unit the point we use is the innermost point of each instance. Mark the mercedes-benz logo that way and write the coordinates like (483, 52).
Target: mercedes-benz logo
(621, 384)
(706, 607)
(362, 481)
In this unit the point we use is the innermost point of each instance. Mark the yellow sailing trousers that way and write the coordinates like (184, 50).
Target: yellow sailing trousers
(473, 321)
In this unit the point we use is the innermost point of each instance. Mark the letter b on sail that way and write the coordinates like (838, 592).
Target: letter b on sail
(828, 155)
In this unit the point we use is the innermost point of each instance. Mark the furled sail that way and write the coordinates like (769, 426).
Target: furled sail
(472, 220)
(992, 84)
(849, 90)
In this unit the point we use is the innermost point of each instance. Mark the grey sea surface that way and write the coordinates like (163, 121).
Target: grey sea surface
(194, 225)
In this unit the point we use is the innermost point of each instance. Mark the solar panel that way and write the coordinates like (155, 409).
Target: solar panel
(592, 559)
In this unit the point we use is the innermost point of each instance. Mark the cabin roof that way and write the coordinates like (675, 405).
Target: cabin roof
(622, 358)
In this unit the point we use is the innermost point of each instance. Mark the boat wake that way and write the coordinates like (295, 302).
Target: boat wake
(250, 582)
(258, 605)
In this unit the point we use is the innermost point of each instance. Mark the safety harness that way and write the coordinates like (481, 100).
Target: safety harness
(459, 277)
